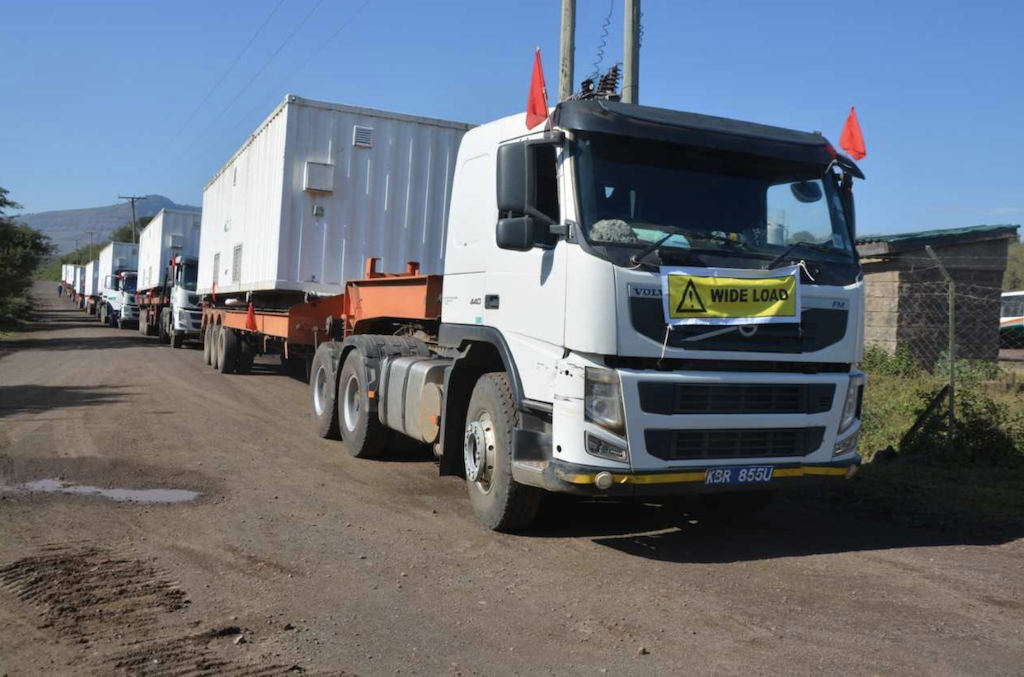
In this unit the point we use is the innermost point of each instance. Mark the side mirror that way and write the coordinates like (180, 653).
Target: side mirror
(517, 233)
(513, 172)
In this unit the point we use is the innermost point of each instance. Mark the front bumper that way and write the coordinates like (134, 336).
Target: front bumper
(571, 478)
(188, 322)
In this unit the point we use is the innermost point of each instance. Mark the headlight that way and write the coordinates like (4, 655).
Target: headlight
(602, 399)
(851, 408)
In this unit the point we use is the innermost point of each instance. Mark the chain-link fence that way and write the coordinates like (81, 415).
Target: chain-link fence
(940, 318)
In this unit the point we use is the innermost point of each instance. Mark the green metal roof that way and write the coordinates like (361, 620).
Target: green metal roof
(874, 245)
(931, 234)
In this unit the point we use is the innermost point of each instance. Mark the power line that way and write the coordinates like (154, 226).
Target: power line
(257, 74)
(217, 84)
(276, 89)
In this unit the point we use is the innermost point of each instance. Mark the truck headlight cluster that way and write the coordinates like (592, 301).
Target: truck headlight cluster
(845, 446)
(602, 399)
(854, 397)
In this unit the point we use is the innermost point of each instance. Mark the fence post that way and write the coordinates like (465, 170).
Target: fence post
(951, 292)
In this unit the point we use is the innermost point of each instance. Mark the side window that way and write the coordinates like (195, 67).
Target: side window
(547, 189)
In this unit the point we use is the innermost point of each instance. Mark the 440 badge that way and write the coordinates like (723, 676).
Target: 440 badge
(700, 296)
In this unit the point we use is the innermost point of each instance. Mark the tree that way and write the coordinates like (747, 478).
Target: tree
(1013, 278)
(22, 251)
(124, 233)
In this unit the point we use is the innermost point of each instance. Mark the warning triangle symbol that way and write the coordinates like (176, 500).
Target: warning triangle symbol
(691, 301)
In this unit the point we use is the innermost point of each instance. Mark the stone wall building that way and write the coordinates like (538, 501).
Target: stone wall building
(907, 305)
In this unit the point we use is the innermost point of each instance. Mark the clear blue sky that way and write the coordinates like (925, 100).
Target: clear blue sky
(93, 93)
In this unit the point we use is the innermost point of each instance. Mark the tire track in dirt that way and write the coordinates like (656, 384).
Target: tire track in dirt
(89, 594)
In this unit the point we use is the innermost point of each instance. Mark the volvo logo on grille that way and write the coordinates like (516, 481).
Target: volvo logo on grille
(748, 331)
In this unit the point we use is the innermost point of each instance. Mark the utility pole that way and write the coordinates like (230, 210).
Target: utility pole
(631, 47)
(132, 199)
(90, 233)
(568, 51)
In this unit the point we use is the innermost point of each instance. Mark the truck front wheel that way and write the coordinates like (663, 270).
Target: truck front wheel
(162, 329)
(500, 502)
(361, 431)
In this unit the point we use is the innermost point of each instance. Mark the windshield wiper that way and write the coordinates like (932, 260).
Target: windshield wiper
(806, 245)
(635, 259)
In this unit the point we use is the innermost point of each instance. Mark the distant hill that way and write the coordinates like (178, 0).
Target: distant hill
(66, 225)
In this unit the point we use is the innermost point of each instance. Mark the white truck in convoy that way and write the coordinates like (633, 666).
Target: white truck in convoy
(168, 267)
(635, 302)
(117, 265)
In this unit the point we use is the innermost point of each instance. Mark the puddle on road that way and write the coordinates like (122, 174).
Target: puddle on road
(124, 495)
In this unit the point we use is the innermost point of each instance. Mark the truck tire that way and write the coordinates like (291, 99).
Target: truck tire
(323, 392)
(500, 502)
(176, 340)
(208, 345)
(227, 343)
(246, 356)
(215, 346)
(144, 322)
(361, 431)
(162, 327)
(103, 315)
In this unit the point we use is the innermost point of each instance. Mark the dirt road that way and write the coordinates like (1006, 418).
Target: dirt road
(296, 559)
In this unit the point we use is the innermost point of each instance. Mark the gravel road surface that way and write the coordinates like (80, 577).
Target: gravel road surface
(298, 560)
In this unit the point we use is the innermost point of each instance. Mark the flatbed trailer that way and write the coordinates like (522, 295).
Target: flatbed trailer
(235, 332)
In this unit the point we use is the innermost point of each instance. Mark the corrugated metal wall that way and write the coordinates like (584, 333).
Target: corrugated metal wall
(388, 200)
(155, 244)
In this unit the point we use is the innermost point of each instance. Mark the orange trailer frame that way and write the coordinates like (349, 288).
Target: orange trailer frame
(402, 297)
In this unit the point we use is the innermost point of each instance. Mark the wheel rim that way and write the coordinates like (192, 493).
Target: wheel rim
(352, 403)
(478, 451)
(320, 391)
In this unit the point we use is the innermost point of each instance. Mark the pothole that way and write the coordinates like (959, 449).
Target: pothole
(54, 486)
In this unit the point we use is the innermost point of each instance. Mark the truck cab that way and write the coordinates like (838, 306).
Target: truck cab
(557, 245)
(181, 319)
(119, 304)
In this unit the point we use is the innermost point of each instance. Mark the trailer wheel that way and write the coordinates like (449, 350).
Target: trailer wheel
(215, 346)
(323, 392)
(103, 314)
(144, 322)
(162, 328)
(500, 502)
(208, 345)
(246, 356)
(361, 431)
(228, 350)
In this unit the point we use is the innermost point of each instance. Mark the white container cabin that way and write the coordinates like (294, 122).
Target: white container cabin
(172, 232)
(317, 189)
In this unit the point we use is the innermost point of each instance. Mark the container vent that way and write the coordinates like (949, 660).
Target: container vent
(362, 137)
(236, 264)
(216, 267)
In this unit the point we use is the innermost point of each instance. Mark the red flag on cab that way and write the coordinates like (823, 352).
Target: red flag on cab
(250, 319)
(537, 104)
(851, 140)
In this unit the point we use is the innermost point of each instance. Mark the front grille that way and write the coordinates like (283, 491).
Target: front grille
(742, 398)
(685, 445)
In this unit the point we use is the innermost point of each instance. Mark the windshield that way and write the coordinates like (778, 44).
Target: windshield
(732, 210)
(189, 276)
(128, 283)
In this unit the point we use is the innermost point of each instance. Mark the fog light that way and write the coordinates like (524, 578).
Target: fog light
(602, 449)
(603, 481)
(847, 445)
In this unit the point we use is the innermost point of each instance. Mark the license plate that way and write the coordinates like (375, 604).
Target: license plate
(746, 474)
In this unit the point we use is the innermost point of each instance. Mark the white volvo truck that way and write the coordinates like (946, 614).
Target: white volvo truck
(117, 265)
(635, 302)
(168, 268)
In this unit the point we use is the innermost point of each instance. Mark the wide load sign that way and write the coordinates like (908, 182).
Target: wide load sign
(729, 297)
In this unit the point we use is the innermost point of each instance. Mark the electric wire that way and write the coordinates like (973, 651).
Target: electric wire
(224, 75)
(602, 41)
(253, 78)
(275, 91)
